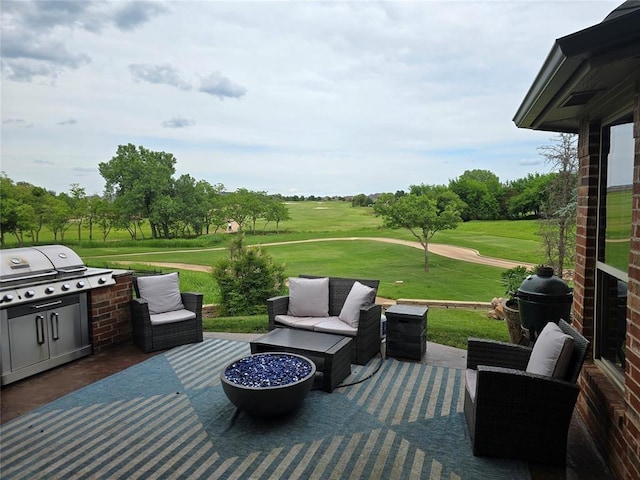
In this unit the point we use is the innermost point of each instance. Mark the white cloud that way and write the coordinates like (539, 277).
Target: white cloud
(332, 97)
(221, 87)
(178, 122)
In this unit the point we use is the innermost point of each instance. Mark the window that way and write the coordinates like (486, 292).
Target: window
(614, 243)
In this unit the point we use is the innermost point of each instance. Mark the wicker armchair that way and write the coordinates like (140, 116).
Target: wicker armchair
(155, 328)
(366, 342)
(516, 414)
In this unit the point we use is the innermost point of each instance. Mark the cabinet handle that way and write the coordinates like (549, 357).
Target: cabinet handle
(55, 325)
(40, 329)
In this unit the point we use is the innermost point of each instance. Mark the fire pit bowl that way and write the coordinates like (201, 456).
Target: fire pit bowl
(268, 384)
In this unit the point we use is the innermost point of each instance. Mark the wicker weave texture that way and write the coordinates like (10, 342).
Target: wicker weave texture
(151, 338)
(516, 414)
(366, 343)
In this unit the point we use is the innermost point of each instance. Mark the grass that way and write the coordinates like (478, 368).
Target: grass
(399, 268)
(444, 326)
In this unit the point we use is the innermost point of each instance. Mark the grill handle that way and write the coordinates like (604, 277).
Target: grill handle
(55, 325)
(40, 329)
(29, 277)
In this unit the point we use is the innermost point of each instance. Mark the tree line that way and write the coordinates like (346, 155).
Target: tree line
(484, 197)
(141, 187)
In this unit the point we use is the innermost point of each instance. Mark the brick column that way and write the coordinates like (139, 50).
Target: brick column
(586, 228)
(110, 313)
(632, 350)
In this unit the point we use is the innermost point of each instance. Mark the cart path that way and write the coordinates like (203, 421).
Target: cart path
(450, 251)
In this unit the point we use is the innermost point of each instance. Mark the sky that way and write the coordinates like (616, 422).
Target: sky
(307, 98)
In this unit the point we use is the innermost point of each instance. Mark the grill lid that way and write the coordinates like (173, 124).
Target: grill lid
(63, 258)
(18, 263)
(31, 263)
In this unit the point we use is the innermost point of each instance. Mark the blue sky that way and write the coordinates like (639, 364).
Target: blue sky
(310, 98)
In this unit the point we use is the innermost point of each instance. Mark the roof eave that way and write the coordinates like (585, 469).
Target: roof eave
(555, 72)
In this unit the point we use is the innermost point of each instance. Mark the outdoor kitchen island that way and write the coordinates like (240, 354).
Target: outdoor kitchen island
(53, 309)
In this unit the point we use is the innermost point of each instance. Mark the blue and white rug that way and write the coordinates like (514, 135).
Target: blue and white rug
(168, 418)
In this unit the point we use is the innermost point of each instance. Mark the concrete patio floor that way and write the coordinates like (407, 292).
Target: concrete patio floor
(583, 460)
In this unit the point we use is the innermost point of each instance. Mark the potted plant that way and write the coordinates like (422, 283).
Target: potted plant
(512, 279)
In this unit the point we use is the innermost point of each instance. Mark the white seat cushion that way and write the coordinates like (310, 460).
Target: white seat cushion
(303, 323)
(308, 297)
(162, 292)
(551, 353)
(171, 317)
(359, 296)
(336, 326)
(471, 379)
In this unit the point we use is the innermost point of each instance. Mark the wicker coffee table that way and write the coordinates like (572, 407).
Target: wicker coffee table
(330, 353)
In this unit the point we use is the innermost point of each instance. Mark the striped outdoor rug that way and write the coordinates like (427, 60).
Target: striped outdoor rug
(169, 418)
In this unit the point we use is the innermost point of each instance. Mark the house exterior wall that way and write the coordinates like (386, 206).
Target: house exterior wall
(611, 413)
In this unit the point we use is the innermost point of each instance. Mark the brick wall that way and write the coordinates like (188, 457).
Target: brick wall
(611, 413)
(632, 370)
(110, 314)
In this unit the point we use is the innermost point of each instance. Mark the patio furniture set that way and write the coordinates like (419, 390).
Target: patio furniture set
(518, 400)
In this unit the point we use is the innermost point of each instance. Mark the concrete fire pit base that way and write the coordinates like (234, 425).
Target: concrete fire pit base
(268, 384)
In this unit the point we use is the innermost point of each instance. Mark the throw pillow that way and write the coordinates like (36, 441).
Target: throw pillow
(359, 296)
(551, 353)
(308, 297)
(162, 292)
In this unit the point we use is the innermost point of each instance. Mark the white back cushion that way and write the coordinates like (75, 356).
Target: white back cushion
(162, 292)
(308, 297)
(359, 296)
(551, 353)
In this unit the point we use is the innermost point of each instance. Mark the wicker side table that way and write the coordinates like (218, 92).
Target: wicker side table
(406, 331)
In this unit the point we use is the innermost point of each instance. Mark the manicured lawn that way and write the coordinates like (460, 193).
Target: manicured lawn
(399, 268)
(445, 326)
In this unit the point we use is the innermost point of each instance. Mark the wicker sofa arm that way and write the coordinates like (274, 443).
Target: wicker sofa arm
(508, 399)
(193, 302)
(497, 354)
(370, 317)
(276, 306)
(140, 311)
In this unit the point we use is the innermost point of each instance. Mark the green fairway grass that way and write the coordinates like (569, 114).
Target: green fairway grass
(398, 267)
(445, 326)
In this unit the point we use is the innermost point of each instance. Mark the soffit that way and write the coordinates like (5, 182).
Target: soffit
(590, 74)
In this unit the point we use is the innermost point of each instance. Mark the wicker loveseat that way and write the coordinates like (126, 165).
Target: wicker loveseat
(513, 412)
(364, 329)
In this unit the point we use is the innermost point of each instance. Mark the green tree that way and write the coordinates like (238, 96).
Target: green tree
(525, 196)
(238, 206)
(79, 205)
(360, 200)
(8, 208)
(141, 178)
(482, 193)
(424, 211)
(106, 216)
(60, 220)
(192, 201)
(247, 279)
(216, 214)
(276, 211)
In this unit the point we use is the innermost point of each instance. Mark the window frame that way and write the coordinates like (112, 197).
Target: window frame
(614, 372)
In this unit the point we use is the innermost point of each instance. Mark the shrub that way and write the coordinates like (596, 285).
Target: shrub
(247, 279)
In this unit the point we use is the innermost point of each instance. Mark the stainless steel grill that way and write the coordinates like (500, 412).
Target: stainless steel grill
(44, 318)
